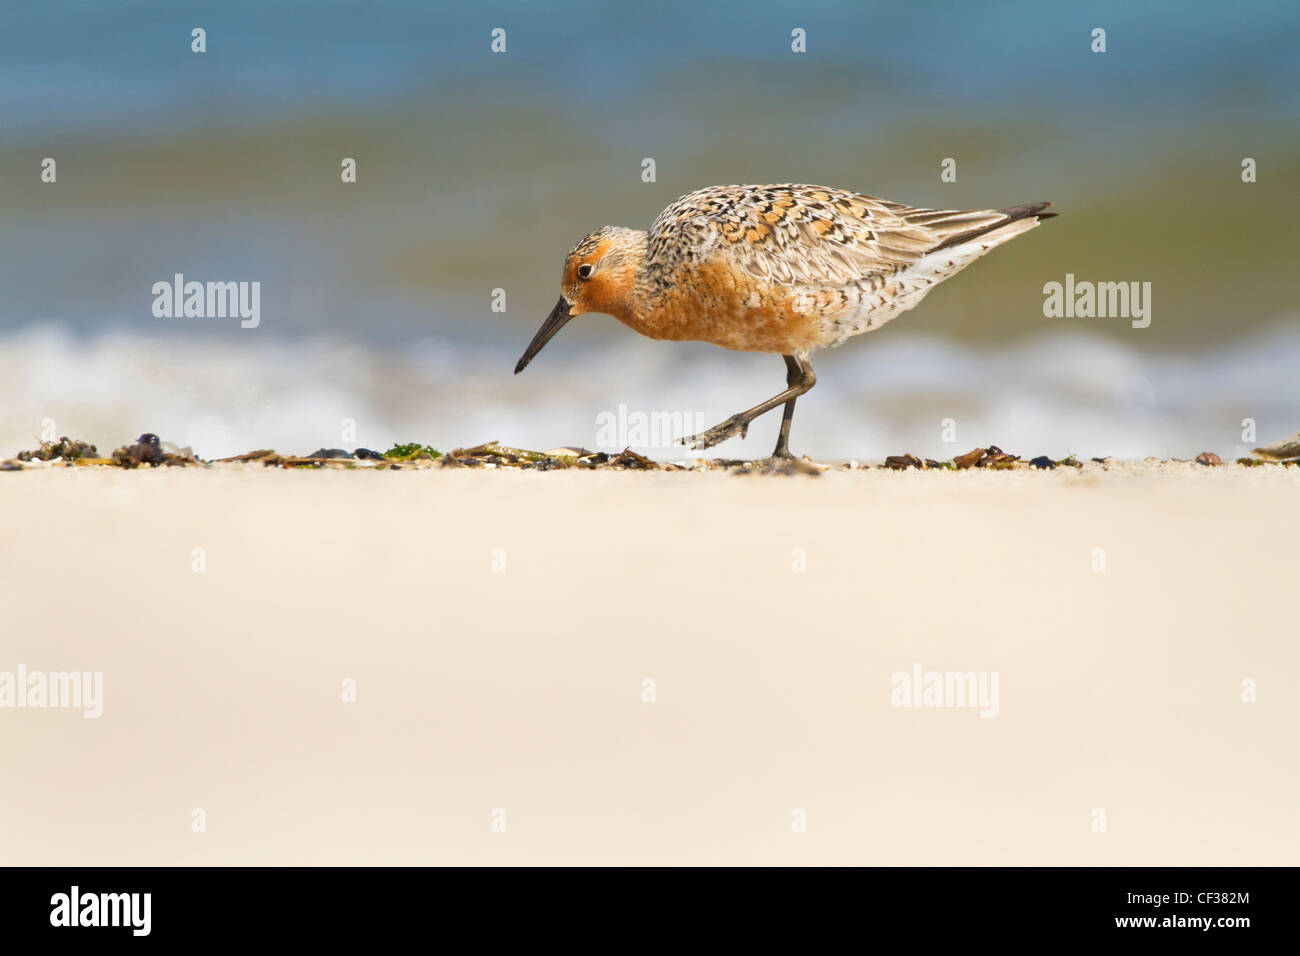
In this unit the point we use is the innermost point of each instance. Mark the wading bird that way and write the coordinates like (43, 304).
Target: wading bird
(785, 269)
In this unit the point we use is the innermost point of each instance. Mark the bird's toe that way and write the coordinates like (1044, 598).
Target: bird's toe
(735, 425)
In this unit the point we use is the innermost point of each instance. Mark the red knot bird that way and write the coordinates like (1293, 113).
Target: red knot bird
(785, 269)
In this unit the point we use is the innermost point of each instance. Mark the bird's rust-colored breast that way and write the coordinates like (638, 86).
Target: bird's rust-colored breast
(715, 302)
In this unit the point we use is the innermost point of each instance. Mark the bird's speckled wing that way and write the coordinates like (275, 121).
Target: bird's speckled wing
(793, 234)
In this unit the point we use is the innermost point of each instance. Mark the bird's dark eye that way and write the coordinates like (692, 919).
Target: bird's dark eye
(584, 271)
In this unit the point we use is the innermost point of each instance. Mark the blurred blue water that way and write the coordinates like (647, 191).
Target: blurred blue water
(126, 67)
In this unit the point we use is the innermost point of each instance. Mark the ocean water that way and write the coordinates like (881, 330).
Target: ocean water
(478, 171)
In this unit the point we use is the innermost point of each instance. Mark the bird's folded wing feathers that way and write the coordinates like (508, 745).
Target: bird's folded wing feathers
(794, 234)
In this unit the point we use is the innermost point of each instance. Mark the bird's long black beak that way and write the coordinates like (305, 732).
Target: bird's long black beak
(554, 322)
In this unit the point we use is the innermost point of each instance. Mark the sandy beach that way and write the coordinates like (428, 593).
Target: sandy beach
(619, 667)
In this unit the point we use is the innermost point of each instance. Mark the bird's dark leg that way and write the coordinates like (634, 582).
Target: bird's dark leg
(799, 378)
(794, 373)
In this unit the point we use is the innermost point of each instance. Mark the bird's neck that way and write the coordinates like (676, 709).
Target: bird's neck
(621, 291)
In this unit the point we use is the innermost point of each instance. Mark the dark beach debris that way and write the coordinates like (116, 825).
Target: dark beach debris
(1285, 450)
(251, 455)
(69, 449)
(627, 458)
(147, 450)
(1003, 462)
(990, 457)
(902, 462)
(411, 451)
(336, 458)
(995, 457)
(307, 461)
(497, 454)
(999, 460)
(494, 449)
(494, 454)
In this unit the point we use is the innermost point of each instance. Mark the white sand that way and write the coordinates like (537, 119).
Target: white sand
(522, 690)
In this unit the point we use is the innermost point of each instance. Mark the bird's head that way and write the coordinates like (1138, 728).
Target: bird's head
(599, 276)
